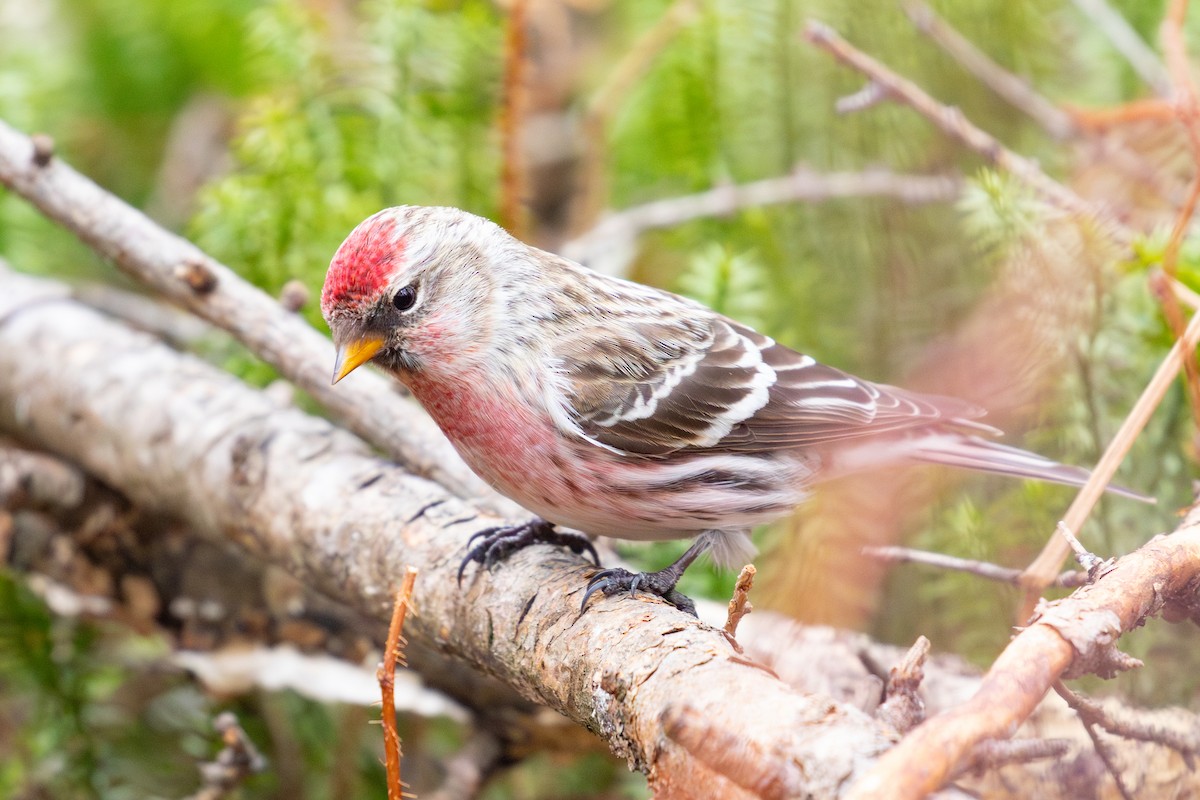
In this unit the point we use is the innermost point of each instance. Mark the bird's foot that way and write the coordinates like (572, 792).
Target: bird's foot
(492, 545)
(661, 583)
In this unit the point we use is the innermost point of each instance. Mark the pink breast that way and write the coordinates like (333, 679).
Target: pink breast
(504, 440)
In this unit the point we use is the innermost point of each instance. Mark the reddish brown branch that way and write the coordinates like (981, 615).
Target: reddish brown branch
(1042, 571)
(1068, 637)
(393, 654)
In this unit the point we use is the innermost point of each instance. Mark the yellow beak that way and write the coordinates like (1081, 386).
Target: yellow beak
(353, 355)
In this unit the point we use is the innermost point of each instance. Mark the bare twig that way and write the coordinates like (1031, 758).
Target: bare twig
(1102, 747)
(512, 117)
(992, 572)
(620, 229)
(996, 753)
(952, 122)
(393, 654)
(1069, 636)
(177, 269)
(739, 604)
(1087, 559)
(903, 708)
(238, 760)
(1183, 736)
(1125, 39)
(1017, 92)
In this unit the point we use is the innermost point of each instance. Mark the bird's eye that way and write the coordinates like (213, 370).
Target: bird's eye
(405, 298)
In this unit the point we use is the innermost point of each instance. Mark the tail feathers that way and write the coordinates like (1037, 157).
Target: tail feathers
(972, 452)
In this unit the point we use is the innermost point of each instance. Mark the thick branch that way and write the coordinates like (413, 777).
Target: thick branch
(368, 404)
(180, 437)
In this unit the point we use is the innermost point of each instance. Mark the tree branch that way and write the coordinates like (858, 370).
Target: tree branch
(368, 404)
(1068, 637)
(182, 438)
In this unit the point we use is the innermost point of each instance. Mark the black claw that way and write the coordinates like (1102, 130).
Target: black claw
(661, 584)
(490, 546)
(593, 587)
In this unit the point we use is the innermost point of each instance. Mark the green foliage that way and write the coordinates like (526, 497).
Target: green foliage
(330, 137)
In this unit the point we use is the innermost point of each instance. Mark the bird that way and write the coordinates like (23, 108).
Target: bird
(607, 407)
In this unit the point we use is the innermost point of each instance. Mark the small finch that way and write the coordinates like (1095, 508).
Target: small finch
(617, 409)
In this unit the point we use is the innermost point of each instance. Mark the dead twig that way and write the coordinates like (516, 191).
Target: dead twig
(619, 230)
(983, 569)
(997, 753)
(238, 760)
(1016, 91)
(739, 604)
(1072, 636)
(952, 122)
(902, 707)
(393, 654)
(1181, 734)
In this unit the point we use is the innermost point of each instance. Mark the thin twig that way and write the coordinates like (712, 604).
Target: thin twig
(1125, 39)
(952, 122)
(903, 708)
(993, 572)
(1040, 574)
(512, 115)
(393, 655)
(1075, 635)
(996, 753)
(1016, 91)
(1101, 747)
(1087, 559)
(739, 604)
(238, 760)
(1153, 109)
(1134, 725)
(802, 185)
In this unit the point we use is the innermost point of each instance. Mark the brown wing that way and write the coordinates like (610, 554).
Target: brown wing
(661, 386)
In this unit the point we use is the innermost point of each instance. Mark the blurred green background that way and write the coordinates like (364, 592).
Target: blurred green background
(266, 130)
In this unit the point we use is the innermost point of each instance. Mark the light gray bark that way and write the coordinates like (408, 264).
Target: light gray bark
(177, 435)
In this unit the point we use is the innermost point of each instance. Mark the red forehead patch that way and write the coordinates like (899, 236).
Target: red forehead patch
(362, 266)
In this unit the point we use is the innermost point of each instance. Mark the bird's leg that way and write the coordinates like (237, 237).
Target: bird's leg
(661, 583)
(492, 545)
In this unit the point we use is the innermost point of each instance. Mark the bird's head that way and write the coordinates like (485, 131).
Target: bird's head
(412, 287)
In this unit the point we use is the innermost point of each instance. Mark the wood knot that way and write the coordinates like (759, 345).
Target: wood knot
(197, 275)
(43, 149)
